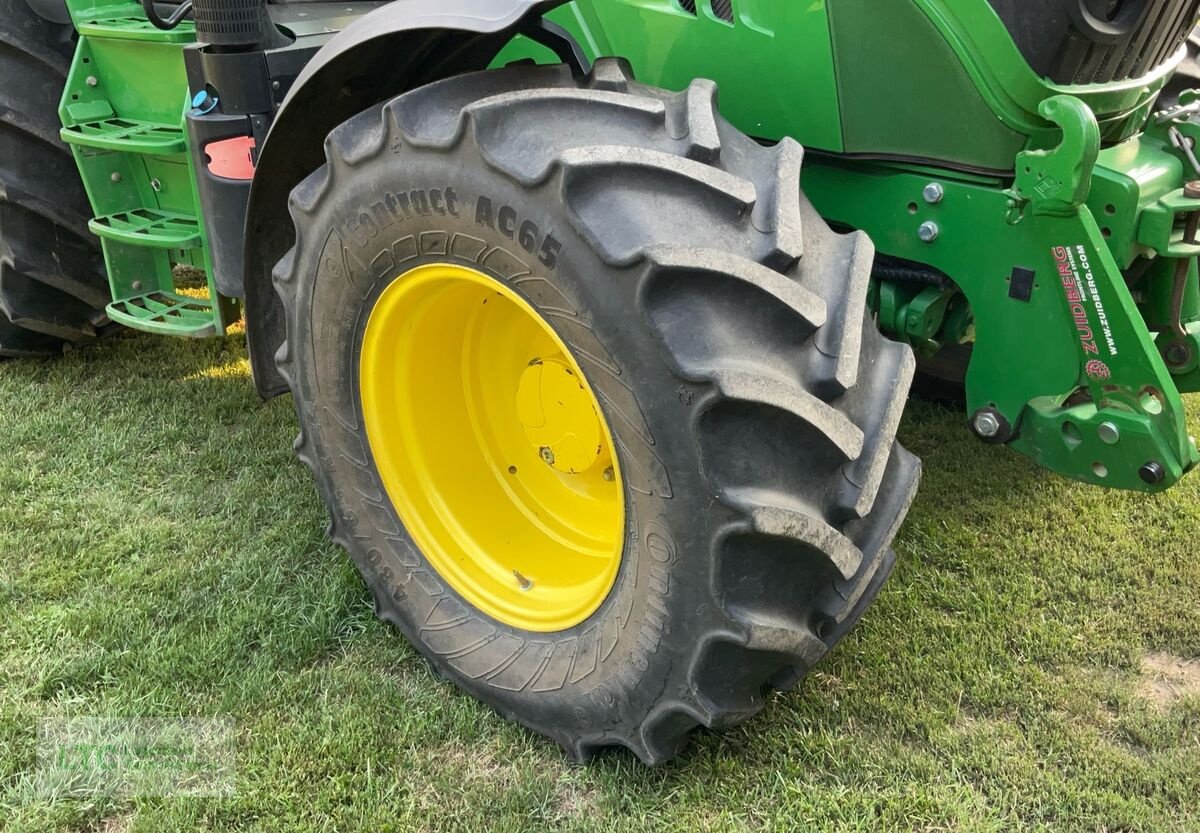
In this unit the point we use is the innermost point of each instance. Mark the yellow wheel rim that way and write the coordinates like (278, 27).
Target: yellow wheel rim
(492, 447)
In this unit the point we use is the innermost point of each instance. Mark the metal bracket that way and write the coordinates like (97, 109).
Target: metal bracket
(559, 41)
(923, 316)
(1056, 182)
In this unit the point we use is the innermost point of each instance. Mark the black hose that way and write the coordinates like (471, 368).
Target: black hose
(173, 20)
(905, 274)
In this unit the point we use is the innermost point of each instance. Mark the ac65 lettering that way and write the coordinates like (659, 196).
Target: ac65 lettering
(526, 232)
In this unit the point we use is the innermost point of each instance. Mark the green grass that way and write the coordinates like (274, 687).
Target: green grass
(161, 553)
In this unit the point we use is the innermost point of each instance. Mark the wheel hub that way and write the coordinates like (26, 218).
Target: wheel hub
(492, 447)
(556, 412)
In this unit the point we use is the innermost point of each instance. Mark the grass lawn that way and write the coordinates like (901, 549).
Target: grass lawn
(161, 553)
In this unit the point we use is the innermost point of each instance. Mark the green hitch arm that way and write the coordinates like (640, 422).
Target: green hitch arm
(1063, 368)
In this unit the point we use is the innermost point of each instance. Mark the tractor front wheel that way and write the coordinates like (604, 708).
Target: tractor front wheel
(591, 393)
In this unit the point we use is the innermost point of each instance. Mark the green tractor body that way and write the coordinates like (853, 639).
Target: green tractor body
(1027, 174)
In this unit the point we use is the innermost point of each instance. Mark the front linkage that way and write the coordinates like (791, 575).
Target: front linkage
(1080, 278)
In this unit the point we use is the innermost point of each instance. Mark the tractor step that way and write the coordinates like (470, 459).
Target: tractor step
(126, 135)
(126, 21)
(166, 313)
(124, 116)
(149, 227)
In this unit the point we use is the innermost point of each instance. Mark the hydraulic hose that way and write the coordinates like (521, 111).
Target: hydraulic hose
(172, 20)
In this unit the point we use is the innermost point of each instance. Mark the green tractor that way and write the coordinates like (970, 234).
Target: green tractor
(600, 383)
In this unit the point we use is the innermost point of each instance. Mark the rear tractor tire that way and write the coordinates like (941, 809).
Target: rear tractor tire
(53, 289)
(593, 399)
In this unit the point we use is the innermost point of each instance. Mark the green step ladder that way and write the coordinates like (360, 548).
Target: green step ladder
(123, 113)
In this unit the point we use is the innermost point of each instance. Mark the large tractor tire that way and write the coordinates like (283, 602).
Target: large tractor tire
(53, 289)
(593, 399)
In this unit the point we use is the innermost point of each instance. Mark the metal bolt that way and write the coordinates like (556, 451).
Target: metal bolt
(608, 474)
(933, 193)
(928, 232)
(137, 285)
(547, 455)
(524, 583)
(986, 424)
(1191, 190)
(155, 184)
(1177, 353)
(275, 85)
(1109, 433)
(1152, 473)
(115, 176)
(92, 81)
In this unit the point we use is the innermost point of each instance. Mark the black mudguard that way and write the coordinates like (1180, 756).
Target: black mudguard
(401, 46)
(53, 10)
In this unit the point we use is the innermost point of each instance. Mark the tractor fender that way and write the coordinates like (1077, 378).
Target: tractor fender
(398, 47)
(53, 10)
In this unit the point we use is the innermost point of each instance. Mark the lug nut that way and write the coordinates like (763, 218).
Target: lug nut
(1109, 433)
(928, 232)
(933, 193)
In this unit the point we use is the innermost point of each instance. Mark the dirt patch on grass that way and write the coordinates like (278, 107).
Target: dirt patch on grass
(111, 824)
(575, 801)
(1167, 678)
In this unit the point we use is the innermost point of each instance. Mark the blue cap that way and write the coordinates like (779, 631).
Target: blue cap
(203, 103)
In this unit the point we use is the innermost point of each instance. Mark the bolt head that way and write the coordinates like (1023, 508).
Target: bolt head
(1109, 433)
(1152, 473)
(1192, 190)
(547, 455)
(986, 424)
(115, 177)
(1177, 353)
(928, 232)
(92, 81)
(608, 474)
(933, 193)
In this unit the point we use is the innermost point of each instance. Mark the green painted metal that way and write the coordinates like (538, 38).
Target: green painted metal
(122, 113)
(166, 313)
(943, 76)
(927, 317)
(99, 128)
(774, 64)
(149, 227)
(905, 84)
